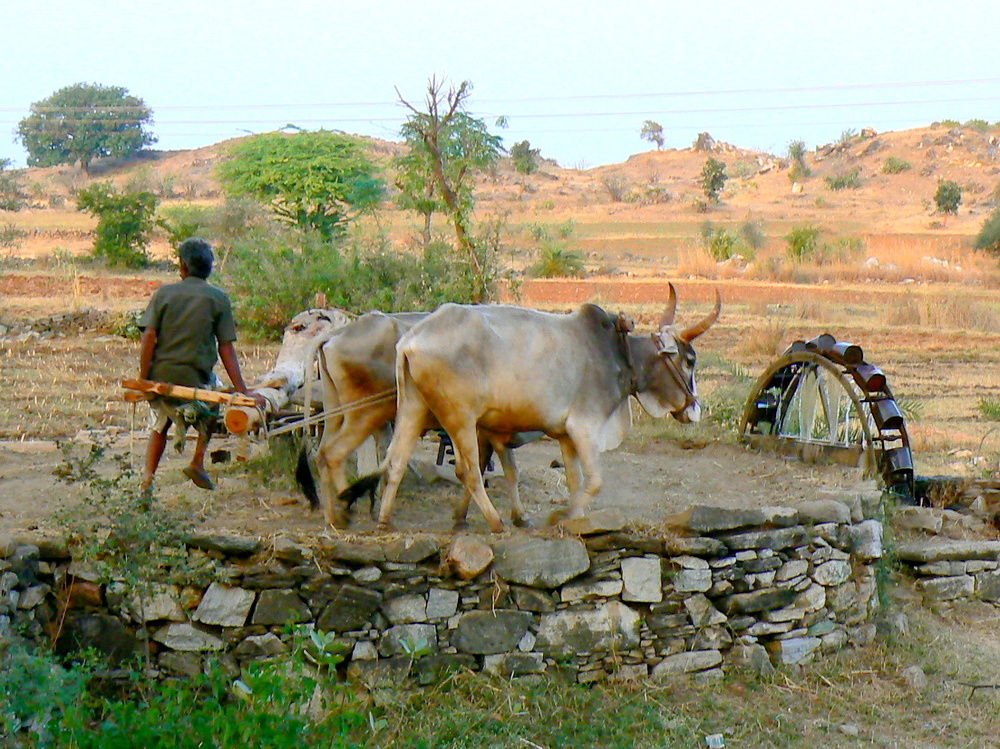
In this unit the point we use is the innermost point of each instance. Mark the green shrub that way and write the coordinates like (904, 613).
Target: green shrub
(11, 236)
(36, 694)
(980, 125)
(802, 242)
(753, 235)
(713, 178)
(845, 181)
(272, 276)
(557, 262)
(895, 165)
(124, 226)
(989, 407)
(185, 220)
(948, 196)
(524, 157)
(989, 235)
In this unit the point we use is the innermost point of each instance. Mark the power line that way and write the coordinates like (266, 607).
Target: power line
(583, 97)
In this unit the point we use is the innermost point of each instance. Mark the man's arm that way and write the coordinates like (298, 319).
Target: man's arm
(146, 352)
(231, 363)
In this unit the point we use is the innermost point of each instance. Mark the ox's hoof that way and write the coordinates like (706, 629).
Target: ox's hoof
(460, 525)
(385, 528)
(557, 516)
(521, 522)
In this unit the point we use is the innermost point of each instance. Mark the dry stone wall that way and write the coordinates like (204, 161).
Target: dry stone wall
(713, 589)
(950, 554)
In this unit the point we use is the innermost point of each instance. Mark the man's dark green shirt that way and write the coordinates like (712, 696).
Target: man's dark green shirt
(191, 317)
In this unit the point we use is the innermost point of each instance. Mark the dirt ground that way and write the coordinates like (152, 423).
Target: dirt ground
(646, 482)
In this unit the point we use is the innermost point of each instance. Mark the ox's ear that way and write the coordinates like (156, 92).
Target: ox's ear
(671, 310)
(689, 334)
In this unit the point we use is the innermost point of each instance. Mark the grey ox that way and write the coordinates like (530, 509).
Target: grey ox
(508, 369)
(357, 366)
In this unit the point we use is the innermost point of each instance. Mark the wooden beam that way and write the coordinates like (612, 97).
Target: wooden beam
(182, 392)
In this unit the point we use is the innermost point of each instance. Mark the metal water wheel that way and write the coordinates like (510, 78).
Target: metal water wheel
(821, 402)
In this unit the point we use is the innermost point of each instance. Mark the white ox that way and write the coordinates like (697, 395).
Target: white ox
(509, 369)
(284, 383)
(357, 366)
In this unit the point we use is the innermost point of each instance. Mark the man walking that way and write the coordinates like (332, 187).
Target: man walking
(187, 327)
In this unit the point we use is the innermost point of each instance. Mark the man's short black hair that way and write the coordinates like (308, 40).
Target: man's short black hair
(197, 256)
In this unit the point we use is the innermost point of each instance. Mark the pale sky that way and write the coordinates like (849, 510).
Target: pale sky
(576, 79)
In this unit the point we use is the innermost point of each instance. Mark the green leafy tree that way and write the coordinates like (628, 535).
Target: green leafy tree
(448, 146)
(989, 235)
(797, 153)
(948, 196)
(713, 178)
(11, 193)
(125, 223)
(652, 132)
(318, 180)
(83, 122)
(525, 157)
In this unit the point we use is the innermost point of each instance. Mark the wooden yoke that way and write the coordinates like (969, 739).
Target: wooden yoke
(148, 389)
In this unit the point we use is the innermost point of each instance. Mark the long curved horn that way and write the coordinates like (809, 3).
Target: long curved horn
(668, 315)
(697, 329)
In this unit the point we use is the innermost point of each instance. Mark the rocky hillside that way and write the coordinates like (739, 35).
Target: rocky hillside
(892, 175)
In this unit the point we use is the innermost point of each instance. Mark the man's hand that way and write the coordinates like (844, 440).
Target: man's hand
(262, 402)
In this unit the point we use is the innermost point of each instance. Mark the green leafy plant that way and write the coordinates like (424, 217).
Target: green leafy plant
(989, 234)
(800, 169)
(85, 121)
(802, 242)
(713, 178)
(12, 194)
(447, 147)
(850, 180)
(720, 243)
(895, 165)
(524, 157)
(37, 693)
(653, 133)
(948, 196)
(989, 407)
(124, 223)
(557, 262)
(319, 180)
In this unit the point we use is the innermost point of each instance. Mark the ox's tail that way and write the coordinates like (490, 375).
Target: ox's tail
(305, 479)
(364, 485)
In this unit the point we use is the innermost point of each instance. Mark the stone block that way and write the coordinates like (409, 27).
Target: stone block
(591, 590)
(824, 511)
(468, 557)
(489, 632)
(613, 626)
(794, 650)
(514, 664)
(409, 640)
(225, 606)
(947, 588)
(186, 637)
(279, 607)
(642, 581)
(686, 663)
(599, 521)
(350, 608)
(441, 603)
(540, 562)
(405, 609)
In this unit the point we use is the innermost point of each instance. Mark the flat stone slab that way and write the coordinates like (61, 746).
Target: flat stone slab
(923, 552)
